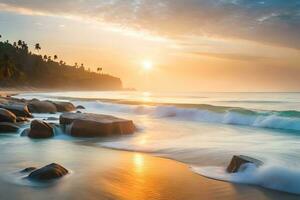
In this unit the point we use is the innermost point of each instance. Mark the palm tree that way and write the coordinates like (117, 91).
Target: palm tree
(99, 69)
(37, 47)
(20, 43)
(24, 46)
(49, 58)
(55, 57)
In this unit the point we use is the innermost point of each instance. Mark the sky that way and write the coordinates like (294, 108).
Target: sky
(192, 45)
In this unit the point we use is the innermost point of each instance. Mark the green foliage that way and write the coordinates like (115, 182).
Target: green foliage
(19, 67)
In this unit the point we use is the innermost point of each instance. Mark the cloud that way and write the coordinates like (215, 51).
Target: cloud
(275, 22)
(231, 56)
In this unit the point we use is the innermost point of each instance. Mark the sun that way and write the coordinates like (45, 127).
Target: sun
(147, 65)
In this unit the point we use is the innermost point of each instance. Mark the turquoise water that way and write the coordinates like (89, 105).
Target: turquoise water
(204, 130)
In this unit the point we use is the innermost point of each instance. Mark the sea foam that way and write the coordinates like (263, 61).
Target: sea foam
(274, 177)
(286, 120)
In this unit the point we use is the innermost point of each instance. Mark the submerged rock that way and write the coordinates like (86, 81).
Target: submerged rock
(238, 161)
(52, 118)
(36, 106)
(48, 172)
(7, 116)
(94, 125)
(25, 132)
(7, 127)
(28, 169)
(40, 129)
(80, 107)
(22, 119)
(64, 106)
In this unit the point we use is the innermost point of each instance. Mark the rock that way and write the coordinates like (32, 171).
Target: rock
(64, 106)
(7, 127)
(22, 119)
(48, 172)
(78, 111)
(19, 109)
(28, 169)
(7, 116)
(25, 132)
(80, 107)
(37, 106)
(40, 129)
(52, 118)
(94, 125)
(238, 161)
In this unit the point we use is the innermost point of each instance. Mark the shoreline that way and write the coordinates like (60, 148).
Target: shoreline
(117, 174)
(162, 169)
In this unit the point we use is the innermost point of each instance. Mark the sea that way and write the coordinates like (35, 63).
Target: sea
(204, 130)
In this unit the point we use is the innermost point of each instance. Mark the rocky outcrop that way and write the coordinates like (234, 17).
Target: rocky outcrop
(36, 106)
(237, 163)
(7, 127)
(49, 172)
(7, 116)
(19, 109)
(95, 125)
(40, 129)
(64, 106)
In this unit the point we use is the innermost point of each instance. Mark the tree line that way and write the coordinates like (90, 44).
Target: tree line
(20, 67)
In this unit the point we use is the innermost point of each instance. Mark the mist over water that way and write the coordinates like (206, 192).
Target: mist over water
(206, 129)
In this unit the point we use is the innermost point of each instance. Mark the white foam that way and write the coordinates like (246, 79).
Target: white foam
(254, 119)
(268, 176)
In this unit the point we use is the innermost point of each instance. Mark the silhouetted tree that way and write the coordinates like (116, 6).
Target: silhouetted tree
(99, 69)
(45, 57)
(37, 47)
(20, 43)
(55, 57)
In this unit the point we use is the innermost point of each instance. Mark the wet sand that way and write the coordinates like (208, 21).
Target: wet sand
(99, 173)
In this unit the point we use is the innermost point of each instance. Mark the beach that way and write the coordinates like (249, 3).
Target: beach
(99, 173)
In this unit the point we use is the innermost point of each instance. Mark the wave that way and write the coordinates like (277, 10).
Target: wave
(268, 176)
(285, 120)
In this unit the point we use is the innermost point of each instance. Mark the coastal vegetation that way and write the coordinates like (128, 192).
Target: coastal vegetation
(20, 67)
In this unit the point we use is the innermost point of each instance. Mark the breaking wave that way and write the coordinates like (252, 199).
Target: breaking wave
(268, 176)
(285, 120)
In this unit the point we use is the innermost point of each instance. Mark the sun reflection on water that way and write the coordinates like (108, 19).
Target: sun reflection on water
(146, 96)
(138, 161)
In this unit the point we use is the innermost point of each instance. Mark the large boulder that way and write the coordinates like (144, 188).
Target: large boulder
(95, 125)
(7, 116)
(7, 127)
(49, 172)
(36, 106)
(237, 163)
(63, 106)
(40, 129)
(19, 109)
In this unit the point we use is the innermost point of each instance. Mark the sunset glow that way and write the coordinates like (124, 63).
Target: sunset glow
(208, 46)
(147, 65)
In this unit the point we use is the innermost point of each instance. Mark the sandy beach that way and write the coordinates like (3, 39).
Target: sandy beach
(99, 173)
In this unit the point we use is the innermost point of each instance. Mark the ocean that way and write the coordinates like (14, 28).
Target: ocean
(204, 130)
